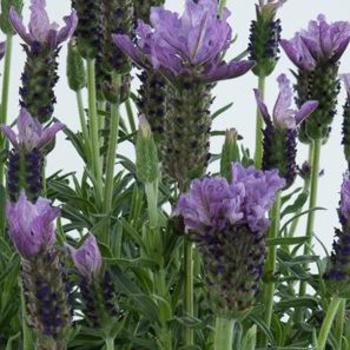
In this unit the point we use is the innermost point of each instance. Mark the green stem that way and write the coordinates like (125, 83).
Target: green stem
(270, 268)
(3, 116)
(82, 119)
(327, 323)
(109, 343)
(189, 307)
(94, 130)
(315, 165)
(111, 157)
(27, 339)
(339, 323)
(224, 328)
(259, 127)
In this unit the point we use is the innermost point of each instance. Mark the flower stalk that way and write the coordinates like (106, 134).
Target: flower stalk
(224, 333)
(259, 126)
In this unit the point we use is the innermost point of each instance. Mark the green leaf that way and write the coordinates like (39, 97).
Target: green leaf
(221, 111)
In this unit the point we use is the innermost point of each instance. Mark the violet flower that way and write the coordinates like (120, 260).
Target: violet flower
(283, 116)
(320, 43)
(87, 259)
(213, 204)
(228, 222)
(31, 135)
(40, 30)
(31, 226)
(191, 44)
(2, 49)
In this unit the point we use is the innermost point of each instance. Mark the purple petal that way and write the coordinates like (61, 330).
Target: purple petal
(125, 44)
(31, 226)
(229, 70)
(29, 130)
(284, 99)
(10, 134)
(49, 134)
(18, 26)
(262, 107)
(345, 197)
(39, 25)
(67, 31)
(87, 259)
(305, 111)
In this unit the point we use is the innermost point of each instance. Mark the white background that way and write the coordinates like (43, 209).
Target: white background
(294, 15)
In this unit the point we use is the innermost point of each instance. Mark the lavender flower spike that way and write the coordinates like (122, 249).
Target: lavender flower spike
(40, 30)
(228, 222)
(190, 44)
(320, 43)
(283, 116)
(346, 80)
(2, 49)
(31, 226)
(87, 259)
(31, 135)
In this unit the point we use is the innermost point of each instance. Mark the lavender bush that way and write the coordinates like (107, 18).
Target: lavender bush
(180, 248)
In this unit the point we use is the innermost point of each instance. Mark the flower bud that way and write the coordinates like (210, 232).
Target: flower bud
(5, 24)
(147, 163)
(230, 153)
(75, 67)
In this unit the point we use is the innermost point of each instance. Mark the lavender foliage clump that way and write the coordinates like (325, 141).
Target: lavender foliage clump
(228, 222)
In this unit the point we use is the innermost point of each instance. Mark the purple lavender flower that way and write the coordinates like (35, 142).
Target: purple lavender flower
(283, 116)
(31, 226)
(31, 135)
(40, 30)
(270, 7)
(87, 259)
(213, 204)
(190, 44)
(2, 49)
(320, 43)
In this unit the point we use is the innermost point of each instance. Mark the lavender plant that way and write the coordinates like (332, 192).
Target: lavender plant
(192, 249)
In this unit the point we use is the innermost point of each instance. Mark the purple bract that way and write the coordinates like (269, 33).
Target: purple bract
(213, 204)
(283, 116)
(191, 44)
(31, 226)
(87, 259)
(31, 135)
(320, 43)
(40, 30)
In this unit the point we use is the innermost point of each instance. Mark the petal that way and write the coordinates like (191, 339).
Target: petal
(229, 70)
(10, 134)
(39, 25)
(284, 99)
(125, 44)
(305, 110)
(67, 31)
(29, 130)
(49, 134)
(262, 107)
(18, 26)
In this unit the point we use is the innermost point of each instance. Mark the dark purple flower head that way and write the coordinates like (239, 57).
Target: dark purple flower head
(31, 226)
(346, 79)
(283, 116)
(320, 43)
(40, 30)
(193, 43)
(87, 259)
(213, 204)
(31, 134)
(345, 197)
(2, 49)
